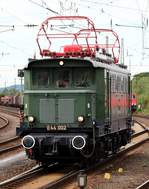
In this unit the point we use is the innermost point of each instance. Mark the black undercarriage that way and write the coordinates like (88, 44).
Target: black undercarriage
(51, 147)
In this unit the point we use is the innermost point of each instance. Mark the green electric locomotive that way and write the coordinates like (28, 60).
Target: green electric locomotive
(76, 100)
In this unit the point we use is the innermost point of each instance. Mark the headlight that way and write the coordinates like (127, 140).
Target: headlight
(31, 119)
(28, 142)
(81, 119)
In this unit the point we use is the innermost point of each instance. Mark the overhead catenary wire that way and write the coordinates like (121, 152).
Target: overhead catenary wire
(12, 27)
(2, 31)
(45, 6)
(14, 47)
(111, 5)
(12, 15)
(42, 6)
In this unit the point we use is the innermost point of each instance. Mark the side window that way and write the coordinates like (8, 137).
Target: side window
(43, 78)
(62, 78)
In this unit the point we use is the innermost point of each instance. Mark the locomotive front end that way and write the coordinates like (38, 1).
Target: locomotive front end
(59, 109)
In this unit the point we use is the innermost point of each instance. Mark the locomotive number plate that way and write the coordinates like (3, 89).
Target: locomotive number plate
(56, 127)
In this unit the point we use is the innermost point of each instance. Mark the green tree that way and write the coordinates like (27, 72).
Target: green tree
(140, 87)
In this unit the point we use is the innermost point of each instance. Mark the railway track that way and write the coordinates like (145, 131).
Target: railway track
(144, 133)
(69, 174)
(144, 185)
(143, 119)
(3, 122)
(21, 177)
(39, 171)
(10, 110)
(141, 116)
(10, 145)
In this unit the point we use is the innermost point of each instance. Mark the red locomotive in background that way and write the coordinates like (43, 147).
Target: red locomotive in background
(133, 103)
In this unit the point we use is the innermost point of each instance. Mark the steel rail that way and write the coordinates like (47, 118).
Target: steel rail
(139, 133)
(142, 125)
(141, 116)
(26, 175)
(9, 111)
(9, 148)
(145, 185)
(62, 180)
(5, 120)
(9, 140)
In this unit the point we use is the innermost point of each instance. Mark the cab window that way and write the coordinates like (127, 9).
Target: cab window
(41, 78)
(62, 78)
(82, 78)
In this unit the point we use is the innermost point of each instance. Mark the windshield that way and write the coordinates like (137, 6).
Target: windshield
(82, 78)
(62, 78)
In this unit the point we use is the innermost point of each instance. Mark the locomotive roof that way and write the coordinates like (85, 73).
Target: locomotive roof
(89, 62)
(114, 67)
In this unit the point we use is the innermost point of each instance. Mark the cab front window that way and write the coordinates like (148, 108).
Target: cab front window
(41, 78)
(82, 78)
(62, 78)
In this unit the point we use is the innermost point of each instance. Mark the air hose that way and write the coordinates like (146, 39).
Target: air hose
(94, 143)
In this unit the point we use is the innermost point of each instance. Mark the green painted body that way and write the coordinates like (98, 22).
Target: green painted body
(88, 90)
(79, 100)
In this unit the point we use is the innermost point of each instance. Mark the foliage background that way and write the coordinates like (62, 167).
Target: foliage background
(140, 87)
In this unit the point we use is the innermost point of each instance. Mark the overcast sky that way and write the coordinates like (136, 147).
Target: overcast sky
(18, 42)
